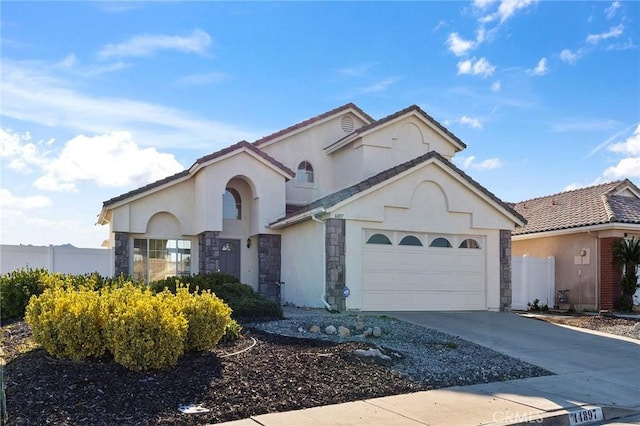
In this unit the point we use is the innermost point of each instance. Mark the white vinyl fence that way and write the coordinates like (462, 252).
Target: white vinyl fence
(65, 259)
(532, 278)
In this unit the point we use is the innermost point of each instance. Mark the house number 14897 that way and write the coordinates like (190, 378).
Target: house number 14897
(586, 416)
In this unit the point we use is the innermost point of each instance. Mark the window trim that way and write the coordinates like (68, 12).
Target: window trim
(179, 248)
(379, 234)
(309, 175)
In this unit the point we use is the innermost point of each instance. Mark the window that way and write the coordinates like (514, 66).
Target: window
(379, 239)
(155, 259)
(231, 205)
(410, 240)
(469, 243)
(440, 242)
(305, 173)
(228, 247)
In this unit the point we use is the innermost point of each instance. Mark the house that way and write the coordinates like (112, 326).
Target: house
(579, 228)
(341, 210)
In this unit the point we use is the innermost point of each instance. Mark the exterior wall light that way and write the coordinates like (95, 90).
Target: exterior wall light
(248, 242)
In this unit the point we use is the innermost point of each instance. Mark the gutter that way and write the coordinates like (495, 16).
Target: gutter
(298, 218)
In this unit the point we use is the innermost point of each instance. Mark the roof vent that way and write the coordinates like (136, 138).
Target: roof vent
(347, 123)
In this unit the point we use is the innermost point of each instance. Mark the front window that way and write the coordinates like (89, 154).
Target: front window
(305, 173)
(231, 205)
(155, 259)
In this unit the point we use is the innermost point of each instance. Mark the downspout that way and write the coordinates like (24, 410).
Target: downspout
(323, 295)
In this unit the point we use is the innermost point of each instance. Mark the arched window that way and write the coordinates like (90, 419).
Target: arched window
(379, 239)
(231, 205)
(305, 172)
(410, 240)
(469, 243)
(440, 242)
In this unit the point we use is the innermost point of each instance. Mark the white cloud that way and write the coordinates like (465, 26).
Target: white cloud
(568, 125)
(629, 166)
(474, 123)
(459, 46)
(631, 146)
(480, 67)
(629, 44)
(569, 57)
(12, 202)
(506, 10)
(22, 153)
(496, 86)
(612, 33)
(110, 160)
(471, 163)
(31, 94)
(541, 68)
(147, 45)
(610, 11)
(481, 4)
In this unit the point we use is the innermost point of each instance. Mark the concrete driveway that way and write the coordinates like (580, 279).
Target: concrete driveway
(589, 368)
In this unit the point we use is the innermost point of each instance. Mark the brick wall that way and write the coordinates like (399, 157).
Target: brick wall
(610, 289)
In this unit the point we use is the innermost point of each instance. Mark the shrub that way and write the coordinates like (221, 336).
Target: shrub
(207, 317)
(143, 331)
(232, 332)
(67, 322)
(241, 298)
(16, 288)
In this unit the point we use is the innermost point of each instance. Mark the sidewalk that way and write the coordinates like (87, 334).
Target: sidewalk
(591, 371)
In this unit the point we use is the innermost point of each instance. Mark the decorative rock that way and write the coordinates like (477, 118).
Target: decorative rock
(377, 332)
(359, 325)
(368, 332)
(300, 330)
(636, 327)
(330, 329)
(314, 329)
(344, 331)
(371, 353)
(636, 309)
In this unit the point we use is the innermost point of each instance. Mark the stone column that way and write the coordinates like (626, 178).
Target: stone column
(335, 255)
(208, 252)
(121, 254)
(269, 264)
(505, 270)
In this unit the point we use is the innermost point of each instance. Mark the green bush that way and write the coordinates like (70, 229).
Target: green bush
(67, 322)
(207, 316)
(232, 332)
(241, 298)
(143, 331)
(16, 288)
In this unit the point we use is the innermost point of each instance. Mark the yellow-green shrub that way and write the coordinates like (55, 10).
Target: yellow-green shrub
(208, 318)
(143, 331)
(67, 322)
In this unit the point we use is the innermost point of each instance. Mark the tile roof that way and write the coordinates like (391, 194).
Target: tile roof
(312, 120)
(339, 196)
(200, 161)
(594, 205)
(400, 113)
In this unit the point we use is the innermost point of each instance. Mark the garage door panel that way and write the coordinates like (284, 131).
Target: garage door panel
(423, 278)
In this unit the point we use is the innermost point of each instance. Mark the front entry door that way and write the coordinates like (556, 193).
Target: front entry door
(230, 257)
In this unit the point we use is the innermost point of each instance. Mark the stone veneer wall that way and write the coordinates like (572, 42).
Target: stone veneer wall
(335, 243)
(208, 252)
(505, 270)
(121, 254)
(269, 264)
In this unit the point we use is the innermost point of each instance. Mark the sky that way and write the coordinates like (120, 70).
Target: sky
(100, 98)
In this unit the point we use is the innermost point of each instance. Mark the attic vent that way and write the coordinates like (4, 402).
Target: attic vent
(347, 123)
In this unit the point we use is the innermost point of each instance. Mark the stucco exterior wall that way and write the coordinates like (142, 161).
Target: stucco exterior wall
(575, 272)
(303, 264)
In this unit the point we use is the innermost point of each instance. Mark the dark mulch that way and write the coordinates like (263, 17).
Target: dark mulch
(278, 374)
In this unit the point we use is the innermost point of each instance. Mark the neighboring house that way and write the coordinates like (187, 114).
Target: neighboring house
(340, 210)
(579, 229)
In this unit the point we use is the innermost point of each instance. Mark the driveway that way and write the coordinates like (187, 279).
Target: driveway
(589, 369)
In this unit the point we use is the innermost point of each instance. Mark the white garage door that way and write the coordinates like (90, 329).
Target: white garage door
(418, 272)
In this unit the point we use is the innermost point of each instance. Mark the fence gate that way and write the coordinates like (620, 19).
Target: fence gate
(532, 278)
